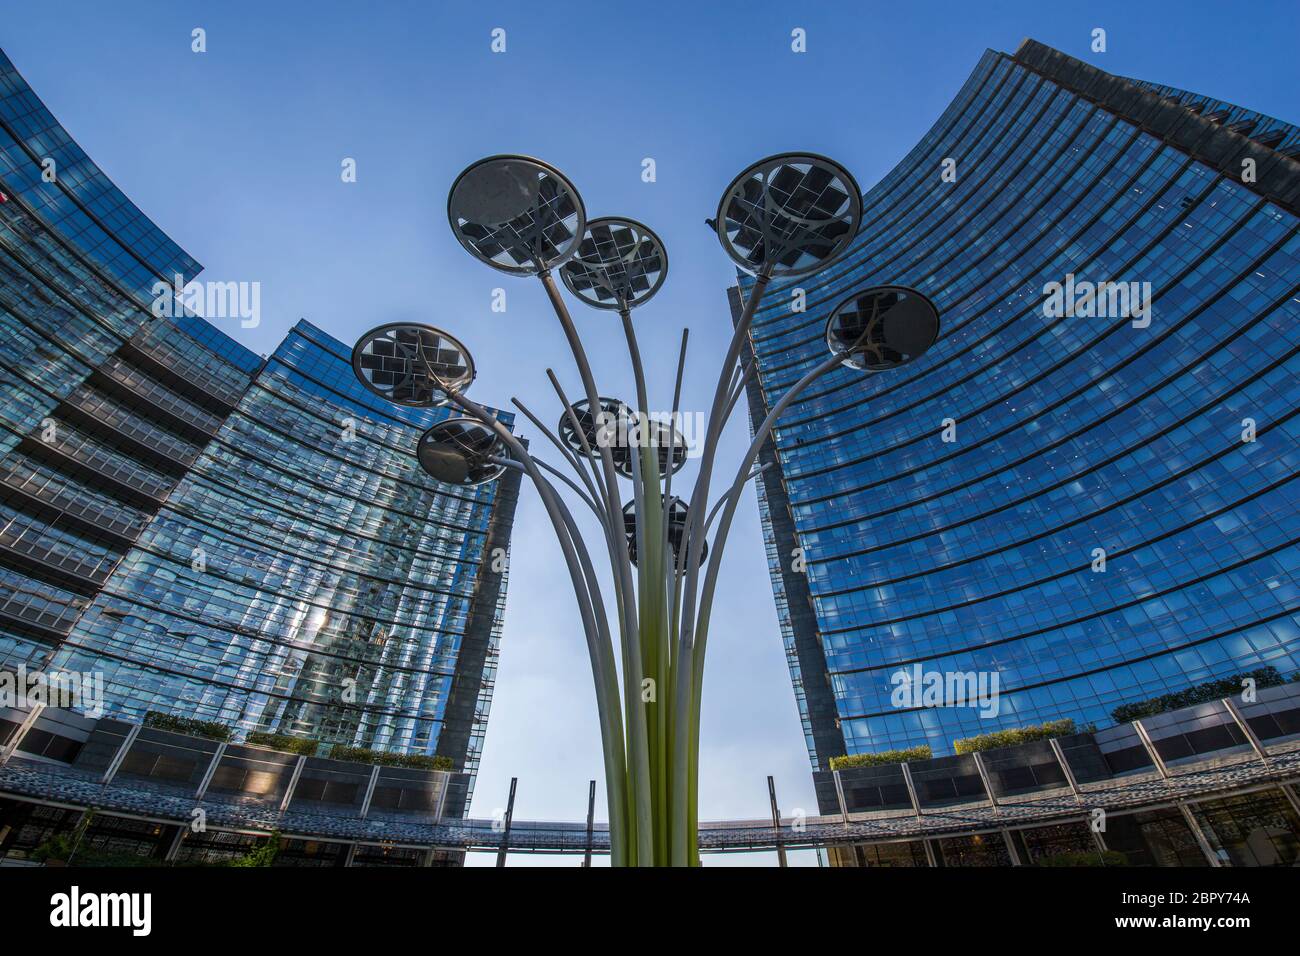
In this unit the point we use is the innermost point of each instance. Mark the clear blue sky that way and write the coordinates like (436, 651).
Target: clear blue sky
(236, 153)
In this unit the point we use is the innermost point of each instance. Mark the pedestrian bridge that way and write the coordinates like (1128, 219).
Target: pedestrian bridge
(181, 782)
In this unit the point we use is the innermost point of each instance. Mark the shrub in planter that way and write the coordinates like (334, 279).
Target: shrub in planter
(1014, 737)
(383, 757)
(211, 729)
(55, 851)
(263, 854)
(1200, 694)
(58, 849)
(287, 743)
(882, 758)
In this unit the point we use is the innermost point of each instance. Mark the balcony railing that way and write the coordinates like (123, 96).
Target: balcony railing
(43, 486)
(131, 426)
(36, 610)
(72, 445)
(38, 546)
(140, 385)
(217, 380)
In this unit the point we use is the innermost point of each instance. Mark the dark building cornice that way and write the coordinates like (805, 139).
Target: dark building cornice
(1277, 175)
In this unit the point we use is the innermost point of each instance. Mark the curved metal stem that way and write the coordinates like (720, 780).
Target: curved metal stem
(594, 501)
(732, 499)
(613, 535)
(588, 457)
(638, 372)
(510, 462)
(736, 489)
(638, 749)
(683, 852)
(672, 456)
(738, 388)
(595, 626)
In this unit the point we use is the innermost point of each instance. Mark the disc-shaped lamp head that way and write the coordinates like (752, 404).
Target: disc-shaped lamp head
(410, 364)
(607, 427)
(882, 327)
(619, 264)
(459, 451)
(678, 511)
(789, 215)
(516, 214)
(662, 436)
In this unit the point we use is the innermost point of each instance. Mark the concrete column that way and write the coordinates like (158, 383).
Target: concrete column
(839, 795)
(293, 782)
(118, 757)
(591, 822)
(1201, 841)
(988, 784)
(1151, 749)
(1097, 839)
(442, 796)
(505, 833)
(1059, 754)
(212, 769)
(911, 788)
(177, 840)
(370, 791)
(776, 822)
(77, 829)
(1256, 744)
(1011, 848)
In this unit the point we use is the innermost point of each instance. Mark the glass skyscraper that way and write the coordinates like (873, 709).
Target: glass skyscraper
(221, 536)
(1096, 504)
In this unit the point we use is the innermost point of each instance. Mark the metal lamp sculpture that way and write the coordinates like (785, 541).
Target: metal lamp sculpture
(784, 217)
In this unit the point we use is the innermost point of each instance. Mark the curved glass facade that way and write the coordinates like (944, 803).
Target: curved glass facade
(85, 206)
(306, 576)
(220, 536)
(950, 512)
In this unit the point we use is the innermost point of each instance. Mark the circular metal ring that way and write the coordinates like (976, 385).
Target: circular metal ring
(458, 451)
(411, 364)
(516, 214)
(882, 327)
(620, 264)
(678, 511)
(789, 214)
(664, 437)
(608, 427)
